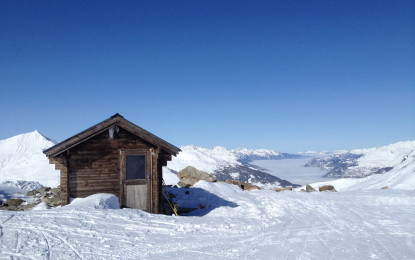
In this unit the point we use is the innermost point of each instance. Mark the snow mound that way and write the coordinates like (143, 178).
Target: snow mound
(21, 158)
(169, 177)
(96, 201)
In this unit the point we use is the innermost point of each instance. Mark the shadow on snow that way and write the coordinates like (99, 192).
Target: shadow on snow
(202, 201)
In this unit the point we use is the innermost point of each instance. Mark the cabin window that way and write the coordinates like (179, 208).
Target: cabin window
(135, 167)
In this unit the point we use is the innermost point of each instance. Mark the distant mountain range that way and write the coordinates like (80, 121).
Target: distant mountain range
(401, 176)
(231, 164)
(363, 162)
(21, 158)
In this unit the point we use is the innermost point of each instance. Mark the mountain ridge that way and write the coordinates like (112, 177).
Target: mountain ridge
(360, 163)
(21, 158)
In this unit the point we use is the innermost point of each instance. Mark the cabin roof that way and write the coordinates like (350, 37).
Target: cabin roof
(117, 120)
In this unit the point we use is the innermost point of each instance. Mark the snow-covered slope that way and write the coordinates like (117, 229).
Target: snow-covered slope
(21, 158)
(230, 164)
(363, 162)
(204, 159)
(402, 176)
(233, 224)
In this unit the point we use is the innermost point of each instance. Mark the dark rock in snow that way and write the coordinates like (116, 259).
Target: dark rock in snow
(32, 193)
(13, 202)
(243, 185)
(283, 189)
(327, 188)
(43, 190)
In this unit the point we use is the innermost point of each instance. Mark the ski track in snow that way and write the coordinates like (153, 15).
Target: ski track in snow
(375, 224)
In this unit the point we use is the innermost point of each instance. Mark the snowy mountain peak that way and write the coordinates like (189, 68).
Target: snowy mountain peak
(21, 158)
(25, 143)
(205, 159)
(259, 152)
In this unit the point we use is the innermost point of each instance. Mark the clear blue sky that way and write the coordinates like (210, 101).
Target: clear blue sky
(284, 75)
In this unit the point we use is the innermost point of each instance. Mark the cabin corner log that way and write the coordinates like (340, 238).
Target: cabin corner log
(92, 162)
(61, 164)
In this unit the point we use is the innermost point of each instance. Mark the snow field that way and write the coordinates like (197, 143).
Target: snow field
(375, 224)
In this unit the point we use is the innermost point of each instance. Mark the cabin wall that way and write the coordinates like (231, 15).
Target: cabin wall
(61, 164)
(94, 166)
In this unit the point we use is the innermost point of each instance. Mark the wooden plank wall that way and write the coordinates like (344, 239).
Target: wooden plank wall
(61, 164)
(95, 165)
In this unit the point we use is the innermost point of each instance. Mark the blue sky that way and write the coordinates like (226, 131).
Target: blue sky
(284, 75)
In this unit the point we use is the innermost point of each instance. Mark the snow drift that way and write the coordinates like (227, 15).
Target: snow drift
(96, 201)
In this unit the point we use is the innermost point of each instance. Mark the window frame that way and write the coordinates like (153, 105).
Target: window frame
(124, 154)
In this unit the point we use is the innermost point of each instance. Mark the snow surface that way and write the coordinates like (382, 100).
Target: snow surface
(292, 170)
(361, 222)
(402, 176)
(21, 158)
(169, 177)
(235, 224)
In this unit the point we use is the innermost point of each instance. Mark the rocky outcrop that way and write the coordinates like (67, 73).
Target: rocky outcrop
(283, 189)
(190, 175)
(13, 202)
(243, 185)
(327, 188)
(51, 198)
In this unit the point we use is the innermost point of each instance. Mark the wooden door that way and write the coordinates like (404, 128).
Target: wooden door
(135, 177)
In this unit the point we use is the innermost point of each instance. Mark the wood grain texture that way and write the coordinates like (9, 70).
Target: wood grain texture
(97, 165)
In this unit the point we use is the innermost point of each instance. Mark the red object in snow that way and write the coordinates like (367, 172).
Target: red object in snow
(202, 206)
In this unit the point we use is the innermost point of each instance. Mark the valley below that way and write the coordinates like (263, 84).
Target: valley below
(292, 170)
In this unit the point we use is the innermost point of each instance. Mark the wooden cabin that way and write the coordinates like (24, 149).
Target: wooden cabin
(114, 156)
